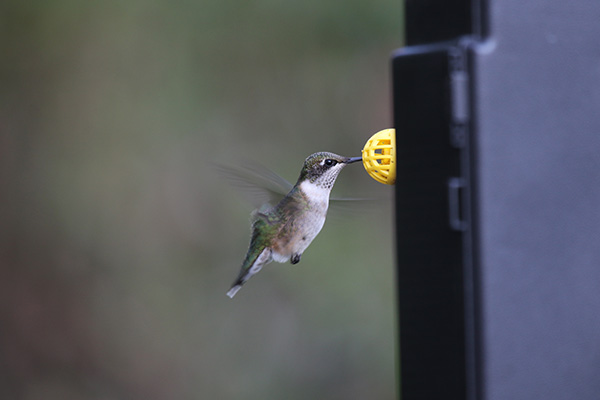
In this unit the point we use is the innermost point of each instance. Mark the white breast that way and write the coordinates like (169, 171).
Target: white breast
(313, 221)
(319, 202)
(317, 195)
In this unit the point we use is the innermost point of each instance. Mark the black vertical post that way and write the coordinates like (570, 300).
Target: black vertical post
(435, 269)
(430, 249)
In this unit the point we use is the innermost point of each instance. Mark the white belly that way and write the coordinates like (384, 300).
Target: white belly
(308, 227)
(307, 230)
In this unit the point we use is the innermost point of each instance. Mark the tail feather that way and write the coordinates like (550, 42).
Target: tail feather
(234, 289)
(252, 264)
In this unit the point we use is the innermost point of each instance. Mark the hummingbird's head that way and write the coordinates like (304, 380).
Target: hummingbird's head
(323, 168)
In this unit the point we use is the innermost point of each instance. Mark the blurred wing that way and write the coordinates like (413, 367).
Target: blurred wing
(345, 207)
(372, 200)
(257, 184)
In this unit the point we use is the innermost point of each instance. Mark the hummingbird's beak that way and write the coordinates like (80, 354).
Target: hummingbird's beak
(353, 159)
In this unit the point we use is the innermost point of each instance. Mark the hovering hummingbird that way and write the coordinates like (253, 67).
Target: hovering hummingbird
(284, 231)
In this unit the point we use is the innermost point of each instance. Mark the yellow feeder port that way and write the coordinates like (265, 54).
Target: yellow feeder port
(379, 156)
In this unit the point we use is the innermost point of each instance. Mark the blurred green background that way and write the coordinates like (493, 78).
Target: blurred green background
(119, 240)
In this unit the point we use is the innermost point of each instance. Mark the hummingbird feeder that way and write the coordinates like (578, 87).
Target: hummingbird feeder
(379, 156)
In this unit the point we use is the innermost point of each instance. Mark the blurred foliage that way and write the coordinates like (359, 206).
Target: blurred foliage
(119, 241)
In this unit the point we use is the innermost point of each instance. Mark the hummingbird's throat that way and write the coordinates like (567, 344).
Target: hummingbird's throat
(327, 180)
(316, 193)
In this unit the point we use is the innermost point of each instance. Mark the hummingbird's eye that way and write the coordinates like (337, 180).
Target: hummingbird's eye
(329, 162)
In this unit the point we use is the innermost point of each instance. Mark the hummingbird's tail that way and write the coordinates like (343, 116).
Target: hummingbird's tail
(252, 264)
(234, 289)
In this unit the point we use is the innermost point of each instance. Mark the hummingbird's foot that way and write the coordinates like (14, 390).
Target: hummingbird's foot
(295, 258)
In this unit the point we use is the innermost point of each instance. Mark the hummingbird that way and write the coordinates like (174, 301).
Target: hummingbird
(283, 232)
